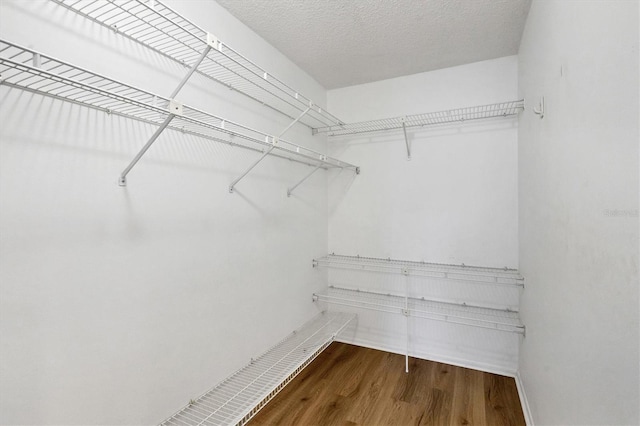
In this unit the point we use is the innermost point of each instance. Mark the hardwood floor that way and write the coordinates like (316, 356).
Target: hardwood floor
(351, 385)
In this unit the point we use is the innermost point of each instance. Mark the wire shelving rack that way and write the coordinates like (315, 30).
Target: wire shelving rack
(419, 302)
(235, 400)
(475, 274)
(165, 31)
(457, 115)
(32, 71)
(464, 314)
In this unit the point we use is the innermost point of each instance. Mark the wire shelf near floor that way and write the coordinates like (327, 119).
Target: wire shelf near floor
(32, 71)
(165, 31)
(238, 398)
(458, 115)
(476, 274)
(476, 316)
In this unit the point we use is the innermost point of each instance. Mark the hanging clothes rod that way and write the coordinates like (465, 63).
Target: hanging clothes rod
(64, 81)
(163, 30)
(458, 115)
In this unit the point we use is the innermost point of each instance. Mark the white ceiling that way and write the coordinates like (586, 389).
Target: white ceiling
(346, 42)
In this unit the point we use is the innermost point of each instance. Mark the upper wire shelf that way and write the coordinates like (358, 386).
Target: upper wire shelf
(476, 274)
(235, 400)
(163, 30)
(458, 115)
(35, 72)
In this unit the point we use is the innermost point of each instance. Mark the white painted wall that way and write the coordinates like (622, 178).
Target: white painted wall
(578, 189)
(455, 202)
(118, 305)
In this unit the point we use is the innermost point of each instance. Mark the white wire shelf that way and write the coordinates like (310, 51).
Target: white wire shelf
(475, 316)
(475, 274)
(238, 398)
(165, 31)
(458, 115)
(32, 71)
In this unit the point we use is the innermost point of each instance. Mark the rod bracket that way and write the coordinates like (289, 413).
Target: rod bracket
(357, 170)
(122, 181)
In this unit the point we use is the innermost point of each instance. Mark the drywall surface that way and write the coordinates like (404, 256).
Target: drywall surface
(118, 305)
(454, 202)
(578, 191)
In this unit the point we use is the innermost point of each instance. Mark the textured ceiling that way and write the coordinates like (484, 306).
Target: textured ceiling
(346, 42)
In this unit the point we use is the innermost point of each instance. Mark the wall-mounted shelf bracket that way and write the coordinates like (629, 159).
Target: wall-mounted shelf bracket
(175, 109)
(406, 139)
(213, 42)
(274, 143)
(193, 69)
(290, 190)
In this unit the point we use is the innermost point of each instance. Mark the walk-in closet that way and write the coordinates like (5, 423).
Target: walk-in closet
(368, 212)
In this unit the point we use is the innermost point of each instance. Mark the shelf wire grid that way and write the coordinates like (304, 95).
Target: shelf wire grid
(476, 316)
(458, 115)
(165, 31)
(475, 274)
(32, 71)
(238, 398)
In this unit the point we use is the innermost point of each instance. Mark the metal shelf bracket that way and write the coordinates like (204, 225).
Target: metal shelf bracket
(290, 190)
(274, 143)
(175, 109)
(406, 139)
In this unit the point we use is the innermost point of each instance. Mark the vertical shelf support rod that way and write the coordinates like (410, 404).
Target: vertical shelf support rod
(274, 143)
(175, 108)
(123, 176)
(290, 190)
(405, 272)
(406, 139)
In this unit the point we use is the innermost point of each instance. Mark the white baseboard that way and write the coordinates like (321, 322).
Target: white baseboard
(523, 400)
(436, 357)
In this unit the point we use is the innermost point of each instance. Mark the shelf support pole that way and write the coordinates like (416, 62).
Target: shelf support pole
(175, 108)
(193, 69)
(290, 190)
(268, 151)
(406, 140)
(405, 272)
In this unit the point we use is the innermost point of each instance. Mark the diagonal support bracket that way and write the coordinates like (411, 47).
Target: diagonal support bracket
(290, 190)
(274, 143)
(175, 108)
(406, 139)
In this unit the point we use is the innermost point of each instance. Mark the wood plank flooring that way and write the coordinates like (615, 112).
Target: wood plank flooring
(351, 385)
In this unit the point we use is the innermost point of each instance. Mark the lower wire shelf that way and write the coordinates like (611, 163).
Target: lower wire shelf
(235, 400)
(476, 316)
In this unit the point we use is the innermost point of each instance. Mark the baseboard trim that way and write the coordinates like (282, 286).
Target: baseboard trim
(458, 362)
(523, 400)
